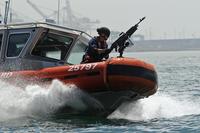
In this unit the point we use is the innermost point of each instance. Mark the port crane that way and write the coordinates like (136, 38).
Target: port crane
(67, 15)
(44, 16)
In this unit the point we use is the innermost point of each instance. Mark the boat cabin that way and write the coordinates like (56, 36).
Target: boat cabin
(32, 46)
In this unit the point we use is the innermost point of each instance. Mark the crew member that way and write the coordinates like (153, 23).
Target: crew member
(97, 46)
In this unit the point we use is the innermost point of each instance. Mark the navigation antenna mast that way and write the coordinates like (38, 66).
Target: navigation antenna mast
(1, 17)
(6, 12)
(58, 15)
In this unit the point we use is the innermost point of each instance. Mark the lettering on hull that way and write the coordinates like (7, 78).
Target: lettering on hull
(6, 75)
(82, 67)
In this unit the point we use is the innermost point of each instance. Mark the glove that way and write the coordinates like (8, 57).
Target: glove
(107, 51)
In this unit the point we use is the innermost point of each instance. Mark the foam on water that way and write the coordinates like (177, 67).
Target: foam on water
(36, 101)
(157, 106)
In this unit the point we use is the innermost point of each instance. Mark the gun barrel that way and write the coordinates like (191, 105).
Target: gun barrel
(134, 28)
(141, 20)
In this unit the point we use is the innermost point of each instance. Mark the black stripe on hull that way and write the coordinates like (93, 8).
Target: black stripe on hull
(134, 71)
(94, 73)
(88, 74)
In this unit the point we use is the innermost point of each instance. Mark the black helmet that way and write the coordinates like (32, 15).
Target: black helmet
(104, 30)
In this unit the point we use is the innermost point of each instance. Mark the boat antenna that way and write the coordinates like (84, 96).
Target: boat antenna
(58, 15)
(7, 6)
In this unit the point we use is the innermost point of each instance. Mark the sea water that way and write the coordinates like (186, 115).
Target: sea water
(174, 108)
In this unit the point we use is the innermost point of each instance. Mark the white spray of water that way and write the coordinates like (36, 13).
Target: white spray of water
(40, 101)
(157, 106)
(36, 101)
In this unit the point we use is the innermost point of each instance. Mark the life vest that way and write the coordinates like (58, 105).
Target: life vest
(91, 54)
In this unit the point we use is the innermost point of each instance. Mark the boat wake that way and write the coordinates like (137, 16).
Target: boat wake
(155, 107)
(37, 101)
(34, 101)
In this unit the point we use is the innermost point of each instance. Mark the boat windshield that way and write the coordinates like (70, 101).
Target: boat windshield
(52, 46)
(16, 43)
(78, 49)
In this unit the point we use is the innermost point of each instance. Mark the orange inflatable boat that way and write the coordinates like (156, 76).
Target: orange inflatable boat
(40, 52)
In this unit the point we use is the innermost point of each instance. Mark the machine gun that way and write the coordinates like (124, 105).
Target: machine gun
(121, 43)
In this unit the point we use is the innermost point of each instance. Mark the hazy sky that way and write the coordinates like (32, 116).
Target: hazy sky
(164, 18)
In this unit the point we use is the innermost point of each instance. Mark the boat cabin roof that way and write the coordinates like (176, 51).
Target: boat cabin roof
(42, 25)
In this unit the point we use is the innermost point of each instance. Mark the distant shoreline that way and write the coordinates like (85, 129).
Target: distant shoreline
(165, 45)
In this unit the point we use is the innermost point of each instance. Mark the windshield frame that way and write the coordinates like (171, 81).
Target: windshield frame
(82, 38)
